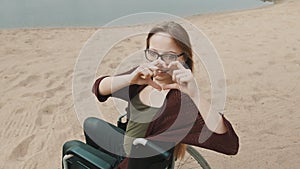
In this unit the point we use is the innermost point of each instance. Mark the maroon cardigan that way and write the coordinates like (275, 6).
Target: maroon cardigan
(179, 121)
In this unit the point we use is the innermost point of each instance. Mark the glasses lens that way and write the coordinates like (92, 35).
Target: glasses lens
(151, 55)
(169, 58)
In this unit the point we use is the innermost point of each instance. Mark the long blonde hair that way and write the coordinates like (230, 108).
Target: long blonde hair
(179, 151)
(182, 39)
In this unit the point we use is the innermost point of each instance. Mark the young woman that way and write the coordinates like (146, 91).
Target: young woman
(163, 101)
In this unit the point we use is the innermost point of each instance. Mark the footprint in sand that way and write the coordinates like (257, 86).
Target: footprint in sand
(50, 83)
(254, 74)
(45, 116)
(14, 76)
(54, 91)
(31, 165)
(270, 63)
(30, 80)
(1, 105)
(50, 78)
(21, 149)
(46, 94)
(290, 56)
(69, 73)
(47, 75)
(19, 111)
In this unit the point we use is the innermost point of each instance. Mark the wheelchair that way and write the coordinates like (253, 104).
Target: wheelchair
(78, 155)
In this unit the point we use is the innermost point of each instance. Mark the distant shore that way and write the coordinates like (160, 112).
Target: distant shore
(76, 23)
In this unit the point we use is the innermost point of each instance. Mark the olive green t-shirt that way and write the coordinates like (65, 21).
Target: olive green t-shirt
(140, 117)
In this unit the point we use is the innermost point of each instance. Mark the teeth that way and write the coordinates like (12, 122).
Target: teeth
(161, 71)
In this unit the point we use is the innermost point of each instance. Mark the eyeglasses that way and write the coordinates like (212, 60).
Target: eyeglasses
(168, 58)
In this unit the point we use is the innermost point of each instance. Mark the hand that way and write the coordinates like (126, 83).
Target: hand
(144, 73)
(183, 78)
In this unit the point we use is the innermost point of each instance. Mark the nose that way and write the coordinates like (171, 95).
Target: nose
(161, 61)
(161, 64)
(160, 58)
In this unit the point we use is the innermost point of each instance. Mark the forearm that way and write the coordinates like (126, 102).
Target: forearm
(112, 84)
(213, 119)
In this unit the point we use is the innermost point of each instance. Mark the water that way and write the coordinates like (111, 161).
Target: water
(85, 13)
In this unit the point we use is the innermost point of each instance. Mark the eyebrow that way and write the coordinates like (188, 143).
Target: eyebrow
(164, 52)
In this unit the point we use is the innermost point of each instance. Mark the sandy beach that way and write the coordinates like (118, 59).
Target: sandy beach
(260, 52)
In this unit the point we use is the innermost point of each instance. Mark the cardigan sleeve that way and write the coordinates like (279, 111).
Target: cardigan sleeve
(125, 93)
(101, 98)
(226, 143)
(182, 122)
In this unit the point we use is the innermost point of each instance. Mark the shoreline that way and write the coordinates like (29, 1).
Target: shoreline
(141, 24)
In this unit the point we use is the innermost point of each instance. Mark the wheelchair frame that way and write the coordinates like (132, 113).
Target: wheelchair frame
(83, 156)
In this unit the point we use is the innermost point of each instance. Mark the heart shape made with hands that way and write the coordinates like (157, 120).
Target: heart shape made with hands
(163, 68)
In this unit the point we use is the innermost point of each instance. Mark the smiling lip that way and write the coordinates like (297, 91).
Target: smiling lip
(162, 70)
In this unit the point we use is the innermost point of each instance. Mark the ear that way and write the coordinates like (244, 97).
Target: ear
(185, 59)
(181, 59)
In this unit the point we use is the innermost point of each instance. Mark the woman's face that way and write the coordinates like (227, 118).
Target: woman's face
(163, 43)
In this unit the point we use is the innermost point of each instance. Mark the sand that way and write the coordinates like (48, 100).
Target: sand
(259, 49)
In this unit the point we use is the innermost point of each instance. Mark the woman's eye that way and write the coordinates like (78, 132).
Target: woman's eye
(170, 56)
(151, 52)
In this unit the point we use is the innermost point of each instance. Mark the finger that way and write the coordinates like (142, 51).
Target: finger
(149, 72)
(160, 64)
(146, 73)
(179, 77)
(149, 66)
(145, 76)
(174, 73)
(176, 65)
(171, 86)
(153, 68)
(178, 73)
(154, 85)
(185, 79)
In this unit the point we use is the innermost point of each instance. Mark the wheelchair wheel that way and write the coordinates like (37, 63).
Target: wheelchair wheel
(192, 160)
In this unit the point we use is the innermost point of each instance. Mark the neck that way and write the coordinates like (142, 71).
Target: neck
(163, 82)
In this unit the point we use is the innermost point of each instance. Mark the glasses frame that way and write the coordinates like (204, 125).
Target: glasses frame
(160, 55)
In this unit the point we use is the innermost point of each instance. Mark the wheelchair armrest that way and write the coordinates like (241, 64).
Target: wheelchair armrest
(141, 141)
(122, 116)
(121, 123)
(92, 155)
